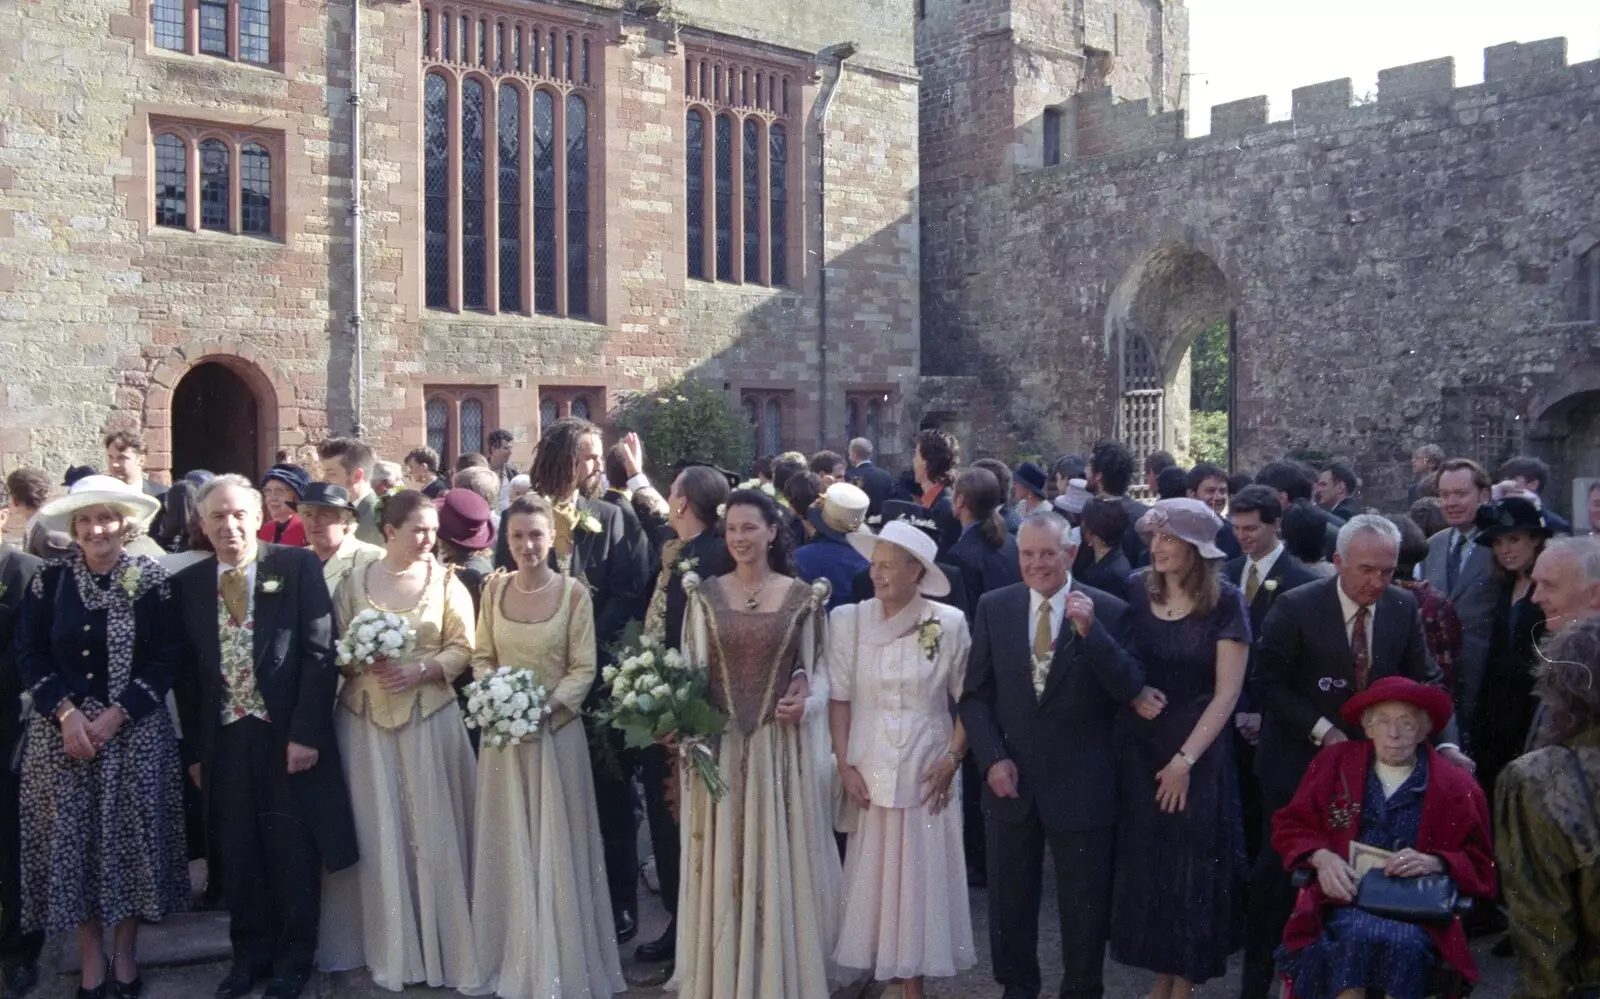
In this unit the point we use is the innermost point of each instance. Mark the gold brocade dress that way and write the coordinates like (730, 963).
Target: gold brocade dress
(758, 907)
(539, 891)
(404, 912)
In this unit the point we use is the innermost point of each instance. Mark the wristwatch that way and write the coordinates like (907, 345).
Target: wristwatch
(1185, 757)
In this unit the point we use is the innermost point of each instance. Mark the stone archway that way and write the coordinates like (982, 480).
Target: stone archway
(1166, 300)
(222, 403)
(1566, 434)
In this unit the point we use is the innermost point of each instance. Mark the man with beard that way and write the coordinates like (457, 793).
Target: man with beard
(593, 543)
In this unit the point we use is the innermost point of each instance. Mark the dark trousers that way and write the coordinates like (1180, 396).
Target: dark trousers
(1244, 758)
(1272, 897)
(16, 947)
(1083, 895)
(972, 821)
(655, 766)
(619, 823)
(271, 870)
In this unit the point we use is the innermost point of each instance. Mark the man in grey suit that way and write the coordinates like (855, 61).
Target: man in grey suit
(1462, 569)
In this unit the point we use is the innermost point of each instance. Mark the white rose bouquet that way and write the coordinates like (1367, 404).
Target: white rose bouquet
(508, 705)
(373, 636)
(656, 693)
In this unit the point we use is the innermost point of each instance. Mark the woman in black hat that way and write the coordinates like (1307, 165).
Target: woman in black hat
(1515, 529)
(281, 489)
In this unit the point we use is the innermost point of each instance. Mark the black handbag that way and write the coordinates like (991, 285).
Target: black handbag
(1429, 900)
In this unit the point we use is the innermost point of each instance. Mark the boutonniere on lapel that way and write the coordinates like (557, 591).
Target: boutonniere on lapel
(685, 566)
(130, 580)
(588, 523)
(1271, 586)
(929, 631)
(1344, 810)
(271, 586)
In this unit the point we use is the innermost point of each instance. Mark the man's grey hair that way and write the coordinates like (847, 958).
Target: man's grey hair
(861, 449)
(227, 481)
(387, 475)
(1049, 520)
(482, 480)
(1367, 523)
(1585, 551)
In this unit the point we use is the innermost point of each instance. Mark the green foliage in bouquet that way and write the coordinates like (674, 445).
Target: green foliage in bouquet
(655, 693)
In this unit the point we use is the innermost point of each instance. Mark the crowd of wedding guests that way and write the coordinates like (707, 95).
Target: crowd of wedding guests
(1248, 714)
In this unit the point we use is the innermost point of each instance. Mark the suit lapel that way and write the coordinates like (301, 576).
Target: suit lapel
(266, 605)
(1066, 648)
(1473, 567)
(202, 607)
(1341, 656)
(582, 541)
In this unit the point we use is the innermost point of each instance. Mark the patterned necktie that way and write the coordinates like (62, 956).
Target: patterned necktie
(1041, 648)
(1252, 583)
(236, 594)
(1358, 645)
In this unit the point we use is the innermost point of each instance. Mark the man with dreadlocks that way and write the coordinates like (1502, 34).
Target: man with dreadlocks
(594, 543)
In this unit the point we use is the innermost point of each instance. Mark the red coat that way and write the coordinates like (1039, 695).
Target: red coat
(1326, 815)
(294, 532)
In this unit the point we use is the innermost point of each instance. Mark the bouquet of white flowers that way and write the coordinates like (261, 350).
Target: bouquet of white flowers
(508, 705)
(656, 692)
(374, 635)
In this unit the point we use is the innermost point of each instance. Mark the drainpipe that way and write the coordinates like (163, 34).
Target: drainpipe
(839, 53)
(358, 362)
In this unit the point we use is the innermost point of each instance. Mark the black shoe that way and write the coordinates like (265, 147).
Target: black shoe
(662, 948)
(288, 986)
(127, 990)
(19, 980)
(627, 927)
(98, 992)
(241, 981)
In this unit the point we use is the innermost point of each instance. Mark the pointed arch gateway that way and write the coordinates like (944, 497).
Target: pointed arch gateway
(220, 406)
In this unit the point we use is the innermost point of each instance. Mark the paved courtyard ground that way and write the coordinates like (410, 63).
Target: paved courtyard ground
(187, 956)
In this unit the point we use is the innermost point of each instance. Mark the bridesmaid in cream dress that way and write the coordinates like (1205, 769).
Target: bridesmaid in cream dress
(539, 894)
(403, 912)
(758, 907)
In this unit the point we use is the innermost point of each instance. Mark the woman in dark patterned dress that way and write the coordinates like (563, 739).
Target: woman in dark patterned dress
(759, 901)
(1180, 839)
(102, 794)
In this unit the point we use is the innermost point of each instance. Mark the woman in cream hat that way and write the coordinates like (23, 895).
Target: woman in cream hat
(101, 791)
(896, 664)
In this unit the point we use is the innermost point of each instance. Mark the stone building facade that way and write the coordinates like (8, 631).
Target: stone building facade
(176, 233)
(1422, 266)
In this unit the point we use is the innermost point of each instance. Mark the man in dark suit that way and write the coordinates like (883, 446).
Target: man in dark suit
(1208, 483)
(259, 739)
(1336, 490)
(984, 564)
(1110, 474)
(603, 551)
(1463, 570)
(1533, 475)
(1322, 643)
(19, 951)
(1047, 675)
(877, 483)
(1294, 484)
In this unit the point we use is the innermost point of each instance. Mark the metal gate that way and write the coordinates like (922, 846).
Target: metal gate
(1140, 418)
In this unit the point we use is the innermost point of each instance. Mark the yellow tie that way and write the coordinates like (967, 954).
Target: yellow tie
(1251, 584)
(1041, 633)
(235, 594)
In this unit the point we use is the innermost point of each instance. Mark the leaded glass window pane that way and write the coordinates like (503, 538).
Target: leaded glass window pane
(500, 47)
(510, 135)
(213, 185)
(255, 36)
(471, 426)
(172, 182)
(569, 59)
(549, 412)
(436, 187)
(577, 206)
(544, 201)
(852, 422)
(534, 65)
(580, 408)
(752, 419)
(786, 95)
(772, 428)
(439, 427)
(752, 200)
(778, 212)
(445, 49)
(516, 48)
(214, 27)
(555, 56)
(874, 422)
(427, 34)
(724, 216)
(466, 39)
(483, 43)
(255, 190)
(474, 251)
(166, 24)
(695, 193)
(585, 60)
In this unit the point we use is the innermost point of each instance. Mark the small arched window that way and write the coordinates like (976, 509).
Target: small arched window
(580, 408)
(172, 182)
(255, 189)
(214, 185)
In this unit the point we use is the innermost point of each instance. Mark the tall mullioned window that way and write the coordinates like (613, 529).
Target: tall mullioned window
(737, 200)
(507, 130)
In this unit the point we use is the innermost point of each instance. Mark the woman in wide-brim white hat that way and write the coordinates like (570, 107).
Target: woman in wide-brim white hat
(137, 511)
(896, 664)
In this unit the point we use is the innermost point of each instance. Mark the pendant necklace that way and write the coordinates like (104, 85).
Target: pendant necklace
(753, 595)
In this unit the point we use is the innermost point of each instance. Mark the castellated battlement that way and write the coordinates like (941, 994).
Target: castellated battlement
(1514, 70)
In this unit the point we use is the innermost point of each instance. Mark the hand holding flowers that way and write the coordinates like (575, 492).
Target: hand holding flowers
(657, 696)
(508, 705)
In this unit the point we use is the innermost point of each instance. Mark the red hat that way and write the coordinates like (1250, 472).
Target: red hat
(464, 519)
(1433, 700)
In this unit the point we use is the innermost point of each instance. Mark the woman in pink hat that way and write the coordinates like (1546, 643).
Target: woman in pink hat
(1180, 844)
(1390, 792)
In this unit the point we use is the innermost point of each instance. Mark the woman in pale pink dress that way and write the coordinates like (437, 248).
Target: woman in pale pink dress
(896, 664)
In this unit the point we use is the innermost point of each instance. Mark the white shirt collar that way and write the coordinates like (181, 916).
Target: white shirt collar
(249, 569)
(1263, 565)
(1058, 607)
(1349, 607)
